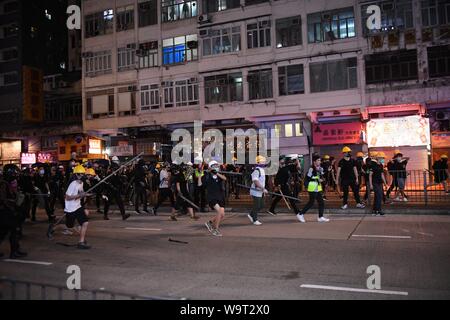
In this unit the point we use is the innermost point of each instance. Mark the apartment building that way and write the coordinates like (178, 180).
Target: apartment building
(320, 73)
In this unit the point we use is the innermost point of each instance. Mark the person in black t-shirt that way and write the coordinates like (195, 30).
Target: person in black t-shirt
(377, 181)
(181, 186)
(400, 173)
(441, 173)
(347, 176)
(213, 181)
(41, 187)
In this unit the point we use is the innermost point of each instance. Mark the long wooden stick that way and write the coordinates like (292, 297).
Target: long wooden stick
(271, 193)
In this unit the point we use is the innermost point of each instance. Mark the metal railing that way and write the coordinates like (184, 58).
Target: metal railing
(11, 289)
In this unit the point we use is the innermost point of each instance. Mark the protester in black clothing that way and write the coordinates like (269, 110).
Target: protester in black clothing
(183, 192)
(113, 192)
(282, 184)
(56, 185)
(165, 191)
(213, 182)
(140, 186)
(400, 173)
(347, 176)
(42, 188)
(441, 174)
(327, 178)
(27, 187)
(377, 181)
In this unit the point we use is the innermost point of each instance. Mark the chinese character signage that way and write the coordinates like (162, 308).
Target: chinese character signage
(440, 140)
(95, 146)
(28, 158)
(394, 132)
(337, 133)
(45, 157)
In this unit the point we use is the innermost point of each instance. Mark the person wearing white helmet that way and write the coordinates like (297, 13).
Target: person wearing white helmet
(258, 190)
(213, 182)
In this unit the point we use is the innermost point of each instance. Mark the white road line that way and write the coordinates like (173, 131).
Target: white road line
(380, 236)
(29, 262)
(143, 229)
(312, 286)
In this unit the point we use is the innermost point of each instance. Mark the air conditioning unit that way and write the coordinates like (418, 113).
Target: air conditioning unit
(204, 18)
(440, 115)
(131, 46)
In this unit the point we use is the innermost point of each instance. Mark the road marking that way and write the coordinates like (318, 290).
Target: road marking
(29, 262)
(380, 236)
(143, 229)
(312, 286)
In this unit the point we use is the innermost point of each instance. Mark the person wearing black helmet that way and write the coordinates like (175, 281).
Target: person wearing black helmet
(140, 186)
(9, 212)
(113, 192)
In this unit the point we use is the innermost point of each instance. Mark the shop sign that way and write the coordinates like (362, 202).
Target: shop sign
(95, 146)
(27, 158)
(440, 140)
(120, 151)
(45, 157)
(11, 150)
(337, 133)
(394, 132)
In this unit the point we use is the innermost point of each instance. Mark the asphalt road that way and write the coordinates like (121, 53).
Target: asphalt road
(282, 259)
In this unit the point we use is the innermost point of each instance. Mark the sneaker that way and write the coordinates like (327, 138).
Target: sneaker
(301, 218)
(126, 216)
(405, 199)
(397, 199)
(323, 219)
(379, 214)
(83, 245)
(67, 232)
(360, 205)
(137, 212)
(251, 219)
(344, 207)
(216, 233)
(272, 213)
(257, 223)
(209, 226)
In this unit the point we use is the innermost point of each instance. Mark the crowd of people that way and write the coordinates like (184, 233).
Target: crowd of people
(191, 188)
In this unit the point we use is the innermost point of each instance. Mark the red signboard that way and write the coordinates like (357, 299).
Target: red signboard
(440, 140)
(45, 157)
(337, 133)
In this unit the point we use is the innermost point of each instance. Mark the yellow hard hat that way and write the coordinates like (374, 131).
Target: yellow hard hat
(326, 157)
(158, 166)
(381, 154)
(360, 154)
(260, 159)
(373, 154)
(396, 151)
(444, 156)
(90, 172)
(346, 149)
(79, 169)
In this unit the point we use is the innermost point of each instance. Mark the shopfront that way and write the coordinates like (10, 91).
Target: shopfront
(10, 152)
(439, 114)
(83, 146)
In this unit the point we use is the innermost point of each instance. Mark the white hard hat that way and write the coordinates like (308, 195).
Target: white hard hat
(213, 163)
(115, 158)
(189, 163)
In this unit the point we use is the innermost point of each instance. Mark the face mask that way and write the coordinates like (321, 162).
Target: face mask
(41, 172)
(381, 161)
(399, 159)
(347, 158)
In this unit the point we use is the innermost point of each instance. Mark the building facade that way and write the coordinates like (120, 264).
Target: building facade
(317, 72)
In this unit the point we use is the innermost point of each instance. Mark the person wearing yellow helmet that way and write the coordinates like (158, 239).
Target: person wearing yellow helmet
(441, 173)
(73, 206)
(258, 189)
(376, 182)
(348, 177)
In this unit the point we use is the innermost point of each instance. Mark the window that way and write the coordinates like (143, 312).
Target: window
(290, 80)
(100, 104)
(126, 58)
(289, 32)
(391, 66)
(186, 92)
(250, 2)
(331, 25)
(125, 18)
(148, 12)
(298, 129)
(220, 5)
(148, 54)
(173, 10)
(260, 84)
(98, 63)
(333, 75)
(126, 101)
(223, 88)
(167, 87)
(439, 61)
(180, 49)
(99, 23)
(288, 132)
(395, 14)
(258, 34)
(9, 78)
(9, 54)
(435, 12)
(149, 97)
(277, 129)
(221, 40)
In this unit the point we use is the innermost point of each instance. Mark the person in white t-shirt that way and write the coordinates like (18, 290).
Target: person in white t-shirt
(73, 208)
(165, 192)
(258, 189)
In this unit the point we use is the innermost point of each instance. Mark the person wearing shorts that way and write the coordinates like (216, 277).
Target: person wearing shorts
(213, 183)
(165, 192)
(73, 208)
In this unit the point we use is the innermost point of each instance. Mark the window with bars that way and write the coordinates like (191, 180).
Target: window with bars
(148, 12)
(260, 84)
(149, 97)
(439, 61)
(395, 14)
(220, 5)
(289, 32)
(391, 66)
(99, 23)
(221, 40)
(331, 25)
(435, 12)
(126, 59)
(258, 34)
(291, 80)
(180, 49)
(148, 54)
(186, 92)
(333, 75)
(172, 10)
(125, 18)
(223, 88)
(99, 63)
